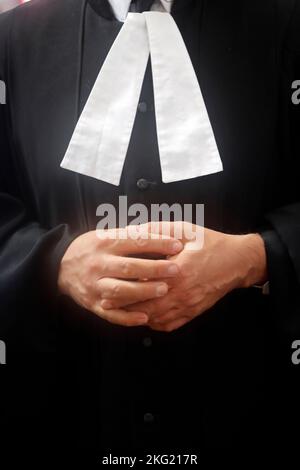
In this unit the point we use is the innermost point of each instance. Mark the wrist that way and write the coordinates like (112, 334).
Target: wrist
(254, 260)
(61, 285)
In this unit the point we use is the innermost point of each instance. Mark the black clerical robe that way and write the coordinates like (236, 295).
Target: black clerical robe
(226, 379)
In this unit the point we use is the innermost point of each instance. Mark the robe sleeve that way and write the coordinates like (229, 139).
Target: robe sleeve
(282, 232)
(30, 255)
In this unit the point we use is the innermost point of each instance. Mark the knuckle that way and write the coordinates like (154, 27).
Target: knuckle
(126, 268)
(140, 241)
(115, 291)
(102, 239)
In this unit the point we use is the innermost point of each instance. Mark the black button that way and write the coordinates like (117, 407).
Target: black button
(147, 342)
(142, 107)
(148, 418)
(143, 184)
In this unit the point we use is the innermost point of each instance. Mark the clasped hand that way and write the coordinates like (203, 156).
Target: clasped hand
(108, 274)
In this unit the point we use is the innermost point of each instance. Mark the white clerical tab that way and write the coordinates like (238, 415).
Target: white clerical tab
(120, 8)
(187, 145)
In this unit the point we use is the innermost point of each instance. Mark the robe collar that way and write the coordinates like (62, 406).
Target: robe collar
(183, 126)
(104, 9)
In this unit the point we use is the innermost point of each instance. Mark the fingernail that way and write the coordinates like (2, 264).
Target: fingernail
(161, 290)
(173, 270)
(176, 247)
(143, 319)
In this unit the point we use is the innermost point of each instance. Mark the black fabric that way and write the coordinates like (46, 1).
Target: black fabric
(225, 381)
(139, 6)
(103, 7)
